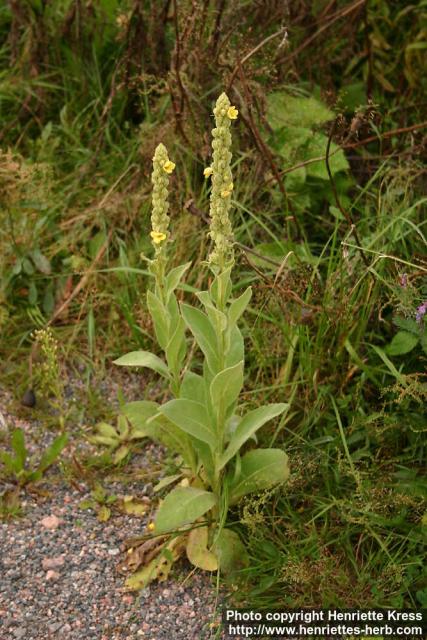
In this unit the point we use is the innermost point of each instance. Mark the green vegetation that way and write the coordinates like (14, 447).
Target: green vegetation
(328, 211)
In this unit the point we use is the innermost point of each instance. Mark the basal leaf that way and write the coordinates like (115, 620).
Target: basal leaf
(18, 445)
(198, 552)
(260, 469)
(182, 506)
(230, 551)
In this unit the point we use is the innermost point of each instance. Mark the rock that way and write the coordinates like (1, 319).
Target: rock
(52, 563)
(52, 575)
(50, 522)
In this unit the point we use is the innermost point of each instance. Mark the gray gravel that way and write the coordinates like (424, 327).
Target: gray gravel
(63, 582)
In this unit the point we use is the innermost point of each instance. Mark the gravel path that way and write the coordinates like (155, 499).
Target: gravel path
(59, 575)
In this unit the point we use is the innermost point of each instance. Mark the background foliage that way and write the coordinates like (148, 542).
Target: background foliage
(329, 216)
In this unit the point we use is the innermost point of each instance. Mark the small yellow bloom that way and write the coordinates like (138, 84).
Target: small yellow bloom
(232, 113)
(157, 236)
(208, 172)
(227, 192)
(169, 166)
(151, 526)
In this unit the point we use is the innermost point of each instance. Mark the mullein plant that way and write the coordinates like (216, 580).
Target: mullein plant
(203, 423)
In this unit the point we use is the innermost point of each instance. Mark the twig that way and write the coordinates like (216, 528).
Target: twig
(344, 212)
(80, 285)
(341, 14)
(263, 148)
(259, 46)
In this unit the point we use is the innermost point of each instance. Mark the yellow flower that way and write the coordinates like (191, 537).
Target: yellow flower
(169, 166)
(208, 172)
(227, 192)
(151, 526)
(157, 236)
(232, 113)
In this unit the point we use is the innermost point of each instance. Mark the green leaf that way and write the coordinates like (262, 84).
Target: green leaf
(52, 453)
(182, 506)
(174, 276)
(238, 306)
(221, 286)
(284, 109)
(41, 262)
(192, 418)
(198, 552)
(407, 324)
(217, 317)
(316, 147)
(139, 412)
(193, 387)
(106, 430)
(204, 333)
(249, 424)
(160, 318)
(230, 551)
(121, 453)
(18, 445)
(123, 427)
(143, 359)
(11, 463)
(166, 481)
(175, 350)
(403, 342)
(260, 469)
(235, 347)
(226, 386)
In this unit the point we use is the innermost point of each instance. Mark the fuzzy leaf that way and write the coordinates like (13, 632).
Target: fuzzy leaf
(143, 359)
(106, 430)
(182, 506)
(230, 551)
(174, 277)
(193, 387)
(198, 552)
(238, 306)
(260, 469)
(160, 318)
(226, 386)
(121, 454)
(248, 425)
(191, 417)
(139, 412)
(175, 350)
(204, 333)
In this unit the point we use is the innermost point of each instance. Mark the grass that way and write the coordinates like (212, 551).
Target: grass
(349, 528)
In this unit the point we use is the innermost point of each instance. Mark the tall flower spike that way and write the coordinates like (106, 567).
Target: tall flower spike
(221, 230)
(162, 167)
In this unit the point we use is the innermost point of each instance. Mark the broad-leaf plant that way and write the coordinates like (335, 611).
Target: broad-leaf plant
(203, 422)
